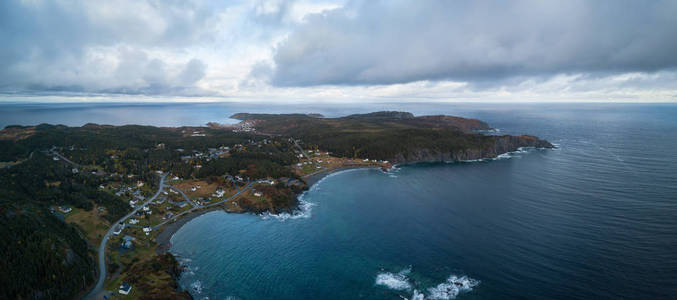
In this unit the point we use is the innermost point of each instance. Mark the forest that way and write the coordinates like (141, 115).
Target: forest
(45, 257)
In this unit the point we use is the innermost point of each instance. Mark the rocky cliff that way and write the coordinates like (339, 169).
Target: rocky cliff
(499, 145)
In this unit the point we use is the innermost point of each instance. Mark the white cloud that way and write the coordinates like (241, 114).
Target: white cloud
(340, 52)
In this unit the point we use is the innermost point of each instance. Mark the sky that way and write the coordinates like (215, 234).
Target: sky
(338, 50)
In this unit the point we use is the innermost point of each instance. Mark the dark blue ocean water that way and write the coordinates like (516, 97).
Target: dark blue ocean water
(596, 218)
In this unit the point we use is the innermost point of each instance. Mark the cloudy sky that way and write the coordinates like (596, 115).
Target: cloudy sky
(339, 51)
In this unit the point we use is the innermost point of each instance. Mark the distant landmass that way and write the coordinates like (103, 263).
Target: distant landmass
(399, 137)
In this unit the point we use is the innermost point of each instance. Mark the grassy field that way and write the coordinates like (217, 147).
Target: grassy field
(205, 190)
(93, 225)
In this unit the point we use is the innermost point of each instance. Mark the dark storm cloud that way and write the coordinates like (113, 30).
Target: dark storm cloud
(384, 42)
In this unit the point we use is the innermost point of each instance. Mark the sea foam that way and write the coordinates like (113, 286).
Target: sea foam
(396, 281)
(197, 286)
(448, 289)
(452, 287)
(303, 212)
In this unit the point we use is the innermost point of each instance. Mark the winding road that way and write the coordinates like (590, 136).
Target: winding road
(102, 247)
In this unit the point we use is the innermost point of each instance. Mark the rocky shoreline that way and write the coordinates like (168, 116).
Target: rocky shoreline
(164, 238)
(505, 144)
(502, 144)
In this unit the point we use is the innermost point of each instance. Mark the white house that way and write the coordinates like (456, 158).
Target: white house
(257, 194)
(147, 230)
(125, 288)
(133, 221)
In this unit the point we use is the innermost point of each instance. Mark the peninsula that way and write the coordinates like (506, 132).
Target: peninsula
(89, 210)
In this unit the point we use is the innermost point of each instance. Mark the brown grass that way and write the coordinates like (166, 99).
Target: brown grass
(205, 190)
(93, 225)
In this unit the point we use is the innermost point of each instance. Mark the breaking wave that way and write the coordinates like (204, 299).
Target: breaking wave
(302, 212)
(396, 281)
(196, 287)
(448, 289)
(507, 155)
(452, 287)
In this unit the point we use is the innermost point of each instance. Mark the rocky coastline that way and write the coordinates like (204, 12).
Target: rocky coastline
(502, 144)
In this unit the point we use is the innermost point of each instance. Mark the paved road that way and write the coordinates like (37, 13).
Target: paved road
(301, 149)
(204, 206)
(53, 151)
(182, 194)
(102, 247)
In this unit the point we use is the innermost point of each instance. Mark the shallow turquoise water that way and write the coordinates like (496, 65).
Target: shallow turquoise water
(596, 218)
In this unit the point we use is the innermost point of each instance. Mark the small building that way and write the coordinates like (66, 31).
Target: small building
(65, 209)
(182, 204)
(257, 194)
(127, 242)
(125, 288)
(118, 230)
(147, 230)
(133, 221)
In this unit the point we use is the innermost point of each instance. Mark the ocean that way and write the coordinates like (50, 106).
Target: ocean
(595, 218)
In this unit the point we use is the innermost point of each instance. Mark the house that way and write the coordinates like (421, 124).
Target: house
(193, 189)
(257, 194)
(118, 230)
(145, 208)
(147, 230)
(132, 203)
(139, 183)
(127, 242)
(65, 209)
(55, 158)
(125, 288)
(182, 204)
(219, 192)
(133, 221)
(75, 170)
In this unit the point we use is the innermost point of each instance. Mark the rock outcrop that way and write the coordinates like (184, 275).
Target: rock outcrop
(500, 145)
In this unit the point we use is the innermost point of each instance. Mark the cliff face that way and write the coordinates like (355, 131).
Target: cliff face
(499, 145)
